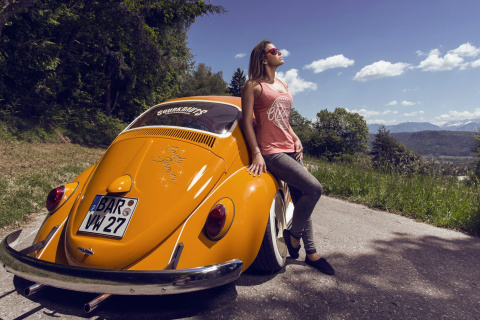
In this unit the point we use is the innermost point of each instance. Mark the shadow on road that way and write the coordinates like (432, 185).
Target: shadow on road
(404, 277)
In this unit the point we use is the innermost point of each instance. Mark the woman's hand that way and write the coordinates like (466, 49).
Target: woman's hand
(297, 144)
(258, 165)
(298, 150)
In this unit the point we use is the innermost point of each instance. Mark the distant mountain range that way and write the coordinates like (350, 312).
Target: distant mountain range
(453, 140)
(472, 125)
(438, 143)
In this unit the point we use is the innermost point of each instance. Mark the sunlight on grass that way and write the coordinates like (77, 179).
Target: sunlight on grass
(28, 171)
(440, 200)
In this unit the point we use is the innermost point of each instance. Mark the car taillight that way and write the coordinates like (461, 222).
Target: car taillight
(215, 221)
(55, 197)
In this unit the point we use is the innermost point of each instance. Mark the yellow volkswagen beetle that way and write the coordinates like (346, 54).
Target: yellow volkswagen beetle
(169, 208)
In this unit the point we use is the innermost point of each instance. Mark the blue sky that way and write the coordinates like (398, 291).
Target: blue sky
(392, 61)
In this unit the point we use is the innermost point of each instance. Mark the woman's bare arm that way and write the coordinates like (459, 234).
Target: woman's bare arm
(248, 96)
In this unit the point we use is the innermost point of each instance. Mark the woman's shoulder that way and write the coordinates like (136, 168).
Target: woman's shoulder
(253, 84)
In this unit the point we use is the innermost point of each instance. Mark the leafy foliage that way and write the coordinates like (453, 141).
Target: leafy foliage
(334, 135)
(237, 83)
(338, 134)
(390, 154)
(201, 81)
(63, 63)
(476, 172)
(304, 129)
(441, 200)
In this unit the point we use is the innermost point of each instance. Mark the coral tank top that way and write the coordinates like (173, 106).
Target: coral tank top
(272, 114)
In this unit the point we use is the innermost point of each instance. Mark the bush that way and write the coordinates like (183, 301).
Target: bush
(12, 128)
(390, 155)
(97, 130)
(441, 200)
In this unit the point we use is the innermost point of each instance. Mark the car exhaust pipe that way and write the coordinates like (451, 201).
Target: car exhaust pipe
(92, 305)
(34, 288)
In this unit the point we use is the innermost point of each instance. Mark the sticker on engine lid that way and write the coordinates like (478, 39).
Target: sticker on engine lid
(109, 216)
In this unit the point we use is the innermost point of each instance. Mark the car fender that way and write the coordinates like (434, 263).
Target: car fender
(54, 249)
(244, 237)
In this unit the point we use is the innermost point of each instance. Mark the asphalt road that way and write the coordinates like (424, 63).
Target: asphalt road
(388, 267)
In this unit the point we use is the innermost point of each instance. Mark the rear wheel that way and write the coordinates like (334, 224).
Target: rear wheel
(273, 251)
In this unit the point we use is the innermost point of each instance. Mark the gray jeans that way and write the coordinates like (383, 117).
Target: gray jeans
(305, 191)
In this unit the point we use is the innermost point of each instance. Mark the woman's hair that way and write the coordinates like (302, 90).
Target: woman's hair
(256, 69)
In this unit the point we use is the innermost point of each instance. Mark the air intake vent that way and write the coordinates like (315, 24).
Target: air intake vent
(175, 133)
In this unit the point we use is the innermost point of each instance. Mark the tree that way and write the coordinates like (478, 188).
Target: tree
(476, 150)
(201, 81)
(63, 62)
(303, 128)
(390, 154)
(9, 8)
(339, 133)
(237, 83)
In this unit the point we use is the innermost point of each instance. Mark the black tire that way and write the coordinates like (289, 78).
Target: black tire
(273, 252)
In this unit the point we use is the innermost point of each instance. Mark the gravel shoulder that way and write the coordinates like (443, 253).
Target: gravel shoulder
(388, 267)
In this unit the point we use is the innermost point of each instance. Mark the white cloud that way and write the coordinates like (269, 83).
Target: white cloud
(381, 121)
(364, 112)
(420, 53)
(285, 52)
(338, 61)
(376, 121)
(416, 113)
(412, 89)
(436, 63)
(456, 115)
(370, 113)
(466, 50)
(392, 103)
(453, 59)
(408, 103)
(388, 111)
(240, 55)
(476, 63)
(381, 69)
(295, 83)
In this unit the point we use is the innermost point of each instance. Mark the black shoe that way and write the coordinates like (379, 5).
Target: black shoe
(321, 265)
(293, 252)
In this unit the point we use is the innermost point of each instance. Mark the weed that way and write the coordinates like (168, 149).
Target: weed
(437, 199)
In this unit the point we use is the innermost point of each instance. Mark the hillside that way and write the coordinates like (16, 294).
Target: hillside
(437, 143)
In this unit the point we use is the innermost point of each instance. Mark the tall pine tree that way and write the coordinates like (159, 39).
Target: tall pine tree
(390, 154)
(237, 83)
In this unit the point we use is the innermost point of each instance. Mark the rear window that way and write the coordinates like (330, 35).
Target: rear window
(206, 116)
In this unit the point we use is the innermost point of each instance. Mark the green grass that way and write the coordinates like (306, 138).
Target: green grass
(443, 201)
(28, 171)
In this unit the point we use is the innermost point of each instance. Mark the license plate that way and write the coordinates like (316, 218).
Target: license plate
(109, 216)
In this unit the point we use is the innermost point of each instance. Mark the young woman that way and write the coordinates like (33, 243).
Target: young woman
(276, 148)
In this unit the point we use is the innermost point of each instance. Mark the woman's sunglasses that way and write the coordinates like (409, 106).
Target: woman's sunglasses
(273, 51)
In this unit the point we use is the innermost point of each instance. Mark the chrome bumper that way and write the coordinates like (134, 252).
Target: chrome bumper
(121, 282)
